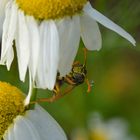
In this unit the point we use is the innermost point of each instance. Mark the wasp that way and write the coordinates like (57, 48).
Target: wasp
(77, 76)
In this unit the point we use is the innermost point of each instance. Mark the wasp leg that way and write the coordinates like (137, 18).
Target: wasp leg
(54, 97)
(56, 92)
(67, 91)
(89, 86)
(56, 89)
(49, 100)
(69, 81)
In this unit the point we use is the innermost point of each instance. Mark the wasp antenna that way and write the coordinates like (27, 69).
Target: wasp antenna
(85, 56)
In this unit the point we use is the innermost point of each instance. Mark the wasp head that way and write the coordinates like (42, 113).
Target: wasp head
(78, 73)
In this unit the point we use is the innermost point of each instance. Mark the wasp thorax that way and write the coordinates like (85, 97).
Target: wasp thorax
(51, 9)
(11, 105)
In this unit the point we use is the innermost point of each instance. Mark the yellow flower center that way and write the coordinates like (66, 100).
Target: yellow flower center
(11, 105)
(51, 9)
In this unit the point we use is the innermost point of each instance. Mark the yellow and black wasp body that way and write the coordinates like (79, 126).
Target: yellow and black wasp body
(77, 76)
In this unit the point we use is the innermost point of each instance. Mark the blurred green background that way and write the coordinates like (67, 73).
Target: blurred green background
(115, 70)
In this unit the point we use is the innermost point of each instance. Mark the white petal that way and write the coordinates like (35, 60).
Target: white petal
(9, 57)
(41, 79)
(90, 33)
(69, 32)
(24, 129)
(34, 39)
(2, 6)
(107, 22)
(35, 124)
(52, 54)
(9, 29)
(2, 14)
(47, 127)
(9, 135)
(5, 32)
(22, 45)
(30, 92)
(49, 55)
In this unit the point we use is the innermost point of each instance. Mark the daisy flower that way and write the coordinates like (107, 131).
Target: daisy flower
(113, 129)
(17, 122)
(47, 34)
(98, 129)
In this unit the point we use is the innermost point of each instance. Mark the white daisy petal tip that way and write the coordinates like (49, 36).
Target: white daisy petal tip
(93, 13)
(69, 31)
(133, 42)
(90, 33)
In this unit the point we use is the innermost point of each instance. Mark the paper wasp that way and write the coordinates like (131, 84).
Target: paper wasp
(77, 76)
